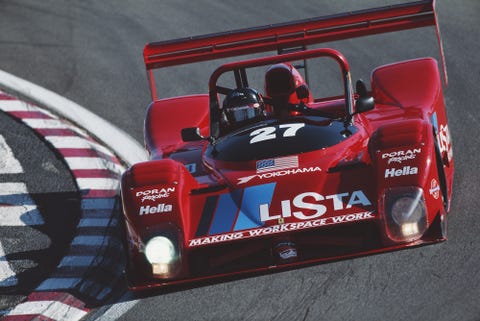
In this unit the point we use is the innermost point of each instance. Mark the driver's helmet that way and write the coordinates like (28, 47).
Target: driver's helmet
(243, 105)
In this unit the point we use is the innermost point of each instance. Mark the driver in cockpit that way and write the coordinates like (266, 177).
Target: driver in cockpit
(284, 87)
(241, 107)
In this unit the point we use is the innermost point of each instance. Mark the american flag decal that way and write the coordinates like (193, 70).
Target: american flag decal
(275, 164)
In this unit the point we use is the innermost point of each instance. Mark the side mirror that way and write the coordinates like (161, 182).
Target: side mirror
(191, 134)
(302, 92)
(365, 102)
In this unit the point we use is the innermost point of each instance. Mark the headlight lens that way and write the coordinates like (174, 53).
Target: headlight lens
(160, 250)
(163, 256)
(406, 215)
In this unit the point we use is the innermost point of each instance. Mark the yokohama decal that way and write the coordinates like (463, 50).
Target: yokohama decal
(285, 172)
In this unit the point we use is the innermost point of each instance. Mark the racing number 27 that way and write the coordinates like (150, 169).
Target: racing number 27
(268, 133)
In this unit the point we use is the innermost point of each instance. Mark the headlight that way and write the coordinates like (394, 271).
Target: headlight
(405, 214)
(163, 256)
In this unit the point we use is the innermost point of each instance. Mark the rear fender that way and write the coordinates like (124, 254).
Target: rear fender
(167, 117)
(412, 83)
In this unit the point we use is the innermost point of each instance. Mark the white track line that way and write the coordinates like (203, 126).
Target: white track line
(97, 204)
(8, 163)
(10, 215)
(92, 163)
(45, 123)
(20, 215)
(18, 207)
(7, 275)
(16, 105)
(69, 261)
(76, 142)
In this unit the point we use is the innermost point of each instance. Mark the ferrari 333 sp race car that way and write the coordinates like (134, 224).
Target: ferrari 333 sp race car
(243, 181)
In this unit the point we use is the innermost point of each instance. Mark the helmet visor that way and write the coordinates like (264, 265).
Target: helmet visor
(243, 113)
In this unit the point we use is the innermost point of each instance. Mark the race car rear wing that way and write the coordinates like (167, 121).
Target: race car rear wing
(283, 36)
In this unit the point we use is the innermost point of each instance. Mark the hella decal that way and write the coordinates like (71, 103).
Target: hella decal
(243, 180)
(316, 204)
(401, 155)
(160, 208)
(405, 171)
(154, 194)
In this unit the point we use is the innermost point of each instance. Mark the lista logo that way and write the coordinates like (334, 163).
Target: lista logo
(314, 202)
(405, 171)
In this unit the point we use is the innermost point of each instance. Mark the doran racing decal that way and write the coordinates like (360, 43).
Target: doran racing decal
(154, 194)
(287, 227)
(243, 180)
(400, 156)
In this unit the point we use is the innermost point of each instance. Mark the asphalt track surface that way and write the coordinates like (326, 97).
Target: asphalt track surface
(91, 53)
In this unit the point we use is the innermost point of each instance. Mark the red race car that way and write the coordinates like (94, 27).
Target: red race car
(245, 180)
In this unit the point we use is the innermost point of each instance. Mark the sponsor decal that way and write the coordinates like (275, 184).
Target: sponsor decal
(250, 208)
(288, 227)
(316, 208)
(401, 155)
(443, 136)
(294, 171)
(434, 189)
(216, 239)
(276, 164)
(154, 194)
(286, 250)
(445, 141)
(160, 208)
(405, 171)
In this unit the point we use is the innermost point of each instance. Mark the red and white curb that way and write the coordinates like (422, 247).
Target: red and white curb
(85, 274)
